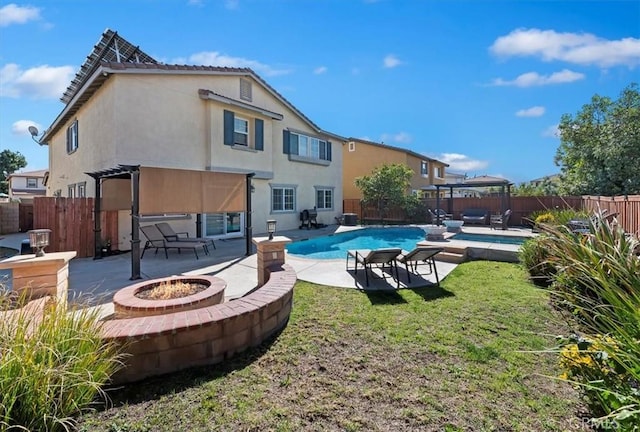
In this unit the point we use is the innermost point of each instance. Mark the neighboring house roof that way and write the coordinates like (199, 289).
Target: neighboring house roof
(400, 149)
(107, 58)
(30, 191)
(485, 179)
(37, 173)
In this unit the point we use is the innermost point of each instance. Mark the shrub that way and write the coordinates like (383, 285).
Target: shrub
(53, 366)
(533, 256)
(546, 218)
(598, 281)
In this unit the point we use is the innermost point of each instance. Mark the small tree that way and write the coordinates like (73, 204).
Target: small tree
(10, 162)
(387, 185)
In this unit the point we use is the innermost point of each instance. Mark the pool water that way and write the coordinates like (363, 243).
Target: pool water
(336, 245)
(489, 238)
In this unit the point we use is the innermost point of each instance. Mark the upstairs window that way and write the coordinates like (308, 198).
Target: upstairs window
(240, 131)
(440, 172)
(72, 137)
(424, 168)
(307, 147)
(32, 182)
(243, 133)
(71, 191)
(82, 190)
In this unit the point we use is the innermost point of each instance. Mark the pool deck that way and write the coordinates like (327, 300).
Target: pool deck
(100, 279)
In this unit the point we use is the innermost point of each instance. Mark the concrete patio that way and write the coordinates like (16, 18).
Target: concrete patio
(96, 281)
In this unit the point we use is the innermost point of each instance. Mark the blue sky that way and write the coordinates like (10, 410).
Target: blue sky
(478, 84)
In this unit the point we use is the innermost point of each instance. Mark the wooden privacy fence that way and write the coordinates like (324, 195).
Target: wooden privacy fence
(520, 207)
(627, 208)
(71, 223)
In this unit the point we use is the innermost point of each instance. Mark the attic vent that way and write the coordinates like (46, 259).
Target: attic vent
(352, 146)
(245, 89)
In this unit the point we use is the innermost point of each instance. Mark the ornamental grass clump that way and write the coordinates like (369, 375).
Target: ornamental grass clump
(598, 281)
(53, 364)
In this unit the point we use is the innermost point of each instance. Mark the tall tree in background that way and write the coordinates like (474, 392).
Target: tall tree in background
(599, 149)
(10, 162)
(387, 185)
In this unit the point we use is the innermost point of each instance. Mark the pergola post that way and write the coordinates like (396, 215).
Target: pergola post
(135, 224)
(248, 227)
(97, 228)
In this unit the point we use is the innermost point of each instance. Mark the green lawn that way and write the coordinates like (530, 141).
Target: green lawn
(465, 356)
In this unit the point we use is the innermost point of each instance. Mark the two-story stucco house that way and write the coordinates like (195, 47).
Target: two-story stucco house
(26, 185)
(123, 107)
(360, 158)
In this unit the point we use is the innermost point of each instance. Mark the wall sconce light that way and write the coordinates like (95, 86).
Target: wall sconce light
(39, 239)
(271, 228)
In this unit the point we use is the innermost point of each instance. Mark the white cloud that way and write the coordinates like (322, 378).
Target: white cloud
(14, 14)
(21, 127)
(551, 132)
(214, 58)
(462, 163)
(39, 83)
(320, 70)
(577, 48)
(534, 111)
(400, 137)
(391, 61)
(531, 79)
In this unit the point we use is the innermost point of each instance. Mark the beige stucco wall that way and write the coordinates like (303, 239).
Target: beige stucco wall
(366, 157)
(159, 120)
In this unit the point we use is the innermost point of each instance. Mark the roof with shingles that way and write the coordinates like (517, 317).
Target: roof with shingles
(96, 70)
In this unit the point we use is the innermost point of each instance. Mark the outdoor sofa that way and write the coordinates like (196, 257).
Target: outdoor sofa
(475, 216)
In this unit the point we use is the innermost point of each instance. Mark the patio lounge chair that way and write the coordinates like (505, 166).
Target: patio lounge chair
(170, 235)
(156, 240)
(382, 258)
(421, 255)
(501, 221)
(583, 226)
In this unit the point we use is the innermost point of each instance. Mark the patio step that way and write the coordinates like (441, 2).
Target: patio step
(451, 257)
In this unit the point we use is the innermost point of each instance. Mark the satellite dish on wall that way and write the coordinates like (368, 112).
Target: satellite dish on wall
(33, 130)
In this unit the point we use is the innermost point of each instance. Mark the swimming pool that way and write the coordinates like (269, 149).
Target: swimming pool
(489, 238)
(336, 245)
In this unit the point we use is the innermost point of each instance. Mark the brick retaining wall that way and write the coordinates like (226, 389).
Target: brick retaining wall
(162, 344)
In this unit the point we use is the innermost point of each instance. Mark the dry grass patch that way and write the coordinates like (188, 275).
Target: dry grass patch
(450, 358)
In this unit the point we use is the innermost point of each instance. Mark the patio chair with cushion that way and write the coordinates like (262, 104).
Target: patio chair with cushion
(381, 258)
(501, 221)
(156, 240)
(475, 216)
(421, 255)
(170, 235)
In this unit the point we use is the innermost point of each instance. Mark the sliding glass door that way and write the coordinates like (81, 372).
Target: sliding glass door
(223, 225)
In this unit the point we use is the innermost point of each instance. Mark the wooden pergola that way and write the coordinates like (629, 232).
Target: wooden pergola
(151, 190)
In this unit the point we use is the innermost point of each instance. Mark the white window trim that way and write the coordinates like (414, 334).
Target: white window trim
(333, 197)
(235, 131)
(283, 187)
(32, 178)
(72, 137)
(426, 165)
